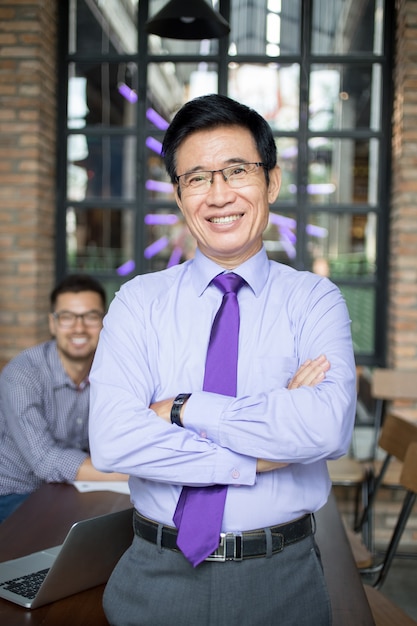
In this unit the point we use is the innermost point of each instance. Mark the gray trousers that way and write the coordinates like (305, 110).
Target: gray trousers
(154, 586)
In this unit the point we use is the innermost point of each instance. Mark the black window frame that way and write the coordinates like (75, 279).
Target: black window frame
(140, 204)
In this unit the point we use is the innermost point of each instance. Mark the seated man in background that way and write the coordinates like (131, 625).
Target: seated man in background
(44, 398)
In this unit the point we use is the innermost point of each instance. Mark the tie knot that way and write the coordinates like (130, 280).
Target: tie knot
(229, 282)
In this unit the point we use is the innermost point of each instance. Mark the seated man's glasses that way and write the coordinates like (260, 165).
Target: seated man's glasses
(235, 175)
(68, 319)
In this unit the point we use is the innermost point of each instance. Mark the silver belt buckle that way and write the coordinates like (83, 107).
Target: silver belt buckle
(220, 554)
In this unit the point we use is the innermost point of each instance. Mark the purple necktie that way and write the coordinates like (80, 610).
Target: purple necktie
(199, 511)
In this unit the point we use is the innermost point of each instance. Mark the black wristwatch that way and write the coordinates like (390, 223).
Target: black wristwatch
(177, 406)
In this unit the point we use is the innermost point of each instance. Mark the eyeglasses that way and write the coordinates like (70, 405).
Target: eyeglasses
(235, 175)
(68, 319)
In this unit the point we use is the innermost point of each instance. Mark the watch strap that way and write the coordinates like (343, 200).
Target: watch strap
(177, 405)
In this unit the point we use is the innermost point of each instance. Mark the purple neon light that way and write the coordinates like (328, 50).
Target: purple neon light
(126, 268)
(286, 226)
(289, 223)
(156, 247)
(157, 185)
(175, 257)
(156, 119)
(321, 188)
(281, 220)
(127, 93)
(154, 144)
(165, 219)
(289, 235)
(324, 189)
(316, 231)
(288, 246)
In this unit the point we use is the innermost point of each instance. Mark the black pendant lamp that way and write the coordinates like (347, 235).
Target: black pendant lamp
(188, 19)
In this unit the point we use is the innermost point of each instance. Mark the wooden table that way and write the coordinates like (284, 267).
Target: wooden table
(45, 517)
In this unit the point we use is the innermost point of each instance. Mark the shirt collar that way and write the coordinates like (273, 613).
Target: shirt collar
(60, 376)
(255, 271)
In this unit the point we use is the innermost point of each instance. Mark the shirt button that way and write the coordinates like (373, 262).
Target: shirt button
(235, 473)
(203, 434)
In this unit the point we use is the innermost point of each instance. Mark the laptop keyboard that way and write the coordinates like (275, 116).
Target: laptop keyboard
(26, 586)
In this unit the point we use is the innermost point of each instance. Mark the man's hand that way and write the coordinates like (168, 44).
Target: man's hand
(268, 466)
(309, 374)
(163, 408)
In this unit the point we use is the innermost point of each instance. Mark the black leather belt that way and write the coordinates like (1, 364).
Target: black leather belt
(232, 546)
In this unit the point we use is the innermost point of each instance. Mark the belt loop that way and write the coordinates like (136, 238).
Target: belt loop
(268, 540)
(159, 538)
(313, 523)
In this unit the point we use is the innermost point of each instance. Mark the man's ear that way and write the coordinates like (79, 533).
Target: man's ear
(274, 184)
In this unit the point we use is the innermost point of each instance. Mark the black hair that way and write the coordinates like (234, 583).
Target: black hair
(75, 283)
(211, 111)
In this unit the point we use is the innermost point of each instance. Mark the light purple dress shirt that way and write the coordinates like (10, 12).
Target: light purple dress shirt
(153, 346)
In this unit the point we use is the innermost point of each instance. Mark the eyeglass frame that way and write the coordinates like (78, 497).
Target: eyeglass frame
(221, 171)
(76, 316)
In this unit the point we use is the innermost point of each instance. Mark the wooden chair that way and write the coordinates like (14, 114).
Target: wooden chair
(408, 480)
(395, 437)
(387, 386)
(385, 612)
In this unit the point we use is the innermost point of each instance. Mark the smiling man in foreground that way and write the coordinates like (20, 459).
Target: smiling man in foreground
(44, 398)
(222, 386)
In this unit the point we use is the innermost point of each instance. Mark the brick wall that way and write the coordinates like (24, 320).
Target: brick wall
(27, 170)
(402, 328)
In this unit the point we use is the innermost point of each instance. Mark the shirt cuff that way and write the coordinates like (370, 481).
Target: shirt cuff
(202, 414)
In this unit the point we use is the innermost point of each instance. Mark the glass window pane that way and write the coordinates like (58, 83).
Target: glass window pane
(109, 29)
(361, 305)
(344, 28)
(102, 94)
(265, 27)
(168, 240)
(287, 148)
(101, 167)
(342, 245)
(342, 171)
(280, 237)
(111, 285)
(172, 84)
(345, 97)
(100, 239)
(170, 47)
(272, 90)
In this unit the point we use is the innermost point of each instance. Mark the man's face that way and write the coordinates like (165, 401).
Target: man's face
(77, 342)
(226, 222)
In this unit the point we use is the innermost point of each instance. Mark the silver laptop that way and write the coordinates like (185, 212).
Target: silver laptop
(85, 559)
